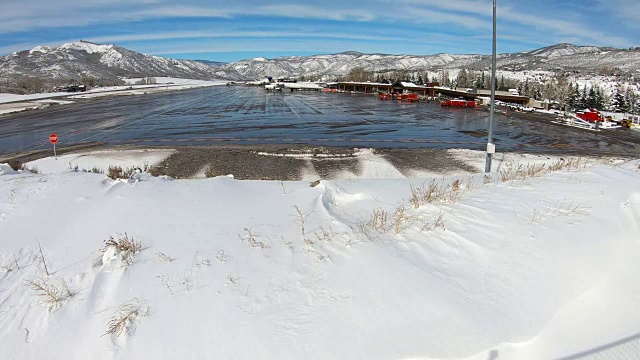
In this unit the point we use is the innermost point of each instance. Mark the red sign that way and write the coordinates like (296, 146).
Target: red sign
(53, 138)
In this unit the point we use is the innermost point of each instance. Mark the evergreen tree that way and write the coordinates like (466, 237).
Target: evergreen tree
(420, 81)
(632, 102)
(462, 79)
(628, 99)
(599, 103)
(583, 97)
(526, 90)
(574, 97)
(566, 98)
(479, 82)
(591, 98)
(617, 101)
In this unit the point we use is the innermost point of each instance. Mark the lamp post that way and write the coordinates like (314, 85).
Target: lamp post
(491, 148)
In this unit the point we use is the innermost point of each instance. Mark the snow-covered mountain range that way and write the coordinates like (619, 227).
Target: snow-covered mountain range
(74, 60)
(558, 57)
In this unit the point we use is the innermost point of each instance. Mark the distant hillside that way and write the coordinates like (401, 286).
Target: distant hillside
(566, 57)
(85, 59)
(78, 60)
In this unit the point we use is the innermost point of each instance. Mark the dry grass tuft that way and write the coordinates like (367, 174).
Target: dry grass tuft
(164, 257)
(379, 221)
(51, 293)
(117, 172)
(435, 192)
(124, 243)
(401, 219)
(123, 318)
(127, 247)
(522, 172)
(542, 212)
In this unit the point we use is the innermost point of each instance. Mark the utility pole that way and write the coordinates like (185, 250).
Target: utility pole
(491, 148)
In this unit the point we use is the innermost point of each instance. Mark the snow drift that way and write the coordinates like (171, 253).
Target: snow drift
(523, 267)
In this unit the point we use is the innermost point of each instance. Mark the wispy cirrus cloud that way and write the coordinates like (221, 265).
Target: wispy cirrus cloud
(410, 26)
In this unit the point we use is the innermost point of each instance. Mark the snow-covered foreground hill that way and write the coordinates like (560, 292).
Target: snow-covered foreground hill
(525, 265)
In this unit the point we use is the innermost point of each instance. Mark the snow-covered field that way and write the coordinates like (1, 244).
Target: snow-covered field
(163, 84)
(540, 267)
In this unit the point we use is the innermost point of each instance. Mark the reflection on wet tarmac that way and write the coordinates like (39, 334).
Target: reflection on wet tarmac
(245, 115)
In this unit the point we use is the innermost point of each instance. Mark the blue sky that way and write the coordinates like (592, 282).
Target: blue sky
(233, 30)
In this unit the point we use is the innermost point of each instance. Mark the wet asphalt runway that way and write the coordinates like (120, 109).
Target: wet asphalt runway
(250, 116)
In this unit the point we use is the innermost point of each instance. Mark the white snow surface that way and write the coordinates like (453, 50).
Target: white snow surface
(101, 160)
(539, 268)
(178, 81)
(86, 46)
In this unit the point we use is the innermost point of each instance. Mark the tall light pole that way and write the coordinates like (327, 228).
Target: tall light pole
(491, 148)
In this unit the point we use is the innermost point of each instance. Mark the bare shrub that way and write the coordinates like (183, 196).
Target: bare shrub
(251, 238)
(324, 234)
(186, 282)
(33, 170)
(116, 172)
(51, 293)
(42, 260)
(12, 265)
(455, 185)
(221, 256)
(15, 164)
(300, 218)
(437, 223)
(234, 283)
(319, 255)
(123, 318)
